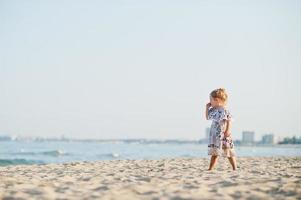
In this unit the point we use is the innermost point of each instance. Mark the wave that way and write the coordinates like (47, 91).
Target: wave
(109, 155)
(54, 153)
(5, 162)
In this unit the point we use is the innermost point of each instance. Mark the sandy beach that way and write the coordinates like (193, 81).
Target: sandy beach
(178, 178)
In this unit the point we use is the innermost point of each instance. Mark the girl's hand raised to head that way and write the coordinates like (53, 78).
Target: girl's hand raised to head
(208, 105)
(227, 134)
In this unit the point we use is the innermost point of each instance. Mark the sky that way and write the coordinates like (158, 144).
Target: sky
(124, 69)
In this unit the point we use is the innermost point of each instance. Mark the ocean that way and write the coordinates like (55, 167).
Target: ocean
(42, 152)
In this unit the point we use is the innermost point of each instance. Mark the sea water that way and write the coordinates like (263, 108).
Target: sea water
(41, 152)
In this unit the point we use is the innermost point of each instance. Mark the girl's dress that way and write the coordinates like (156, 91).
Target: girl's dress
(219, 145)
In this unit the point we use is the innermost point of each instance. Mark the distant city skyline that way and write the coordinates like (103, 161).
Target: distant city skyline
(144, 69)
(248, 139)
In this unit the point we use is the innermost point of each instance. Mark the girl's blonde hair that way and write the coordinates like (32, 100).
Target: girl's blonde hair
(220, 93)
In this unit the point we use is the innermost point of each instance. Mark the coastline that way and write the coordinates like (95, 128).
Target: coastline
(173, 178)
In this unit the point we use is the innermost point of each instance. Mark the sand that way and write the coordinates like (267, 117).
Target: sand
(178, 178)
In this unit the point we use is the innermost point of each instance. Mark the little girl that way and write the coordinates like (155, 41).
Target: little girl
(220, 141)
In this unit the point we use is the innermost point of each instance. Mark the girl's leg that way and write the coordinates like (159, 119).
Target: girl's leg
(233, 162)
(212, 162)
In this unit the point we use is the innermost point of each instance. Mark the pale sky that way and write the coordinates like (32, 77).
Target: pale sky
(144, 69)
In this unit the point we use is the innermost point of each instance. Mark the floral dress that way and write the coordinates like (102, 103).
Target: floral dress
(218, 144)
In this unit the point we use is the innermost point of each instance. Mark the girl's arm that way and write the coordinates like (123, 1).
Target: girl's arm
(227, 132)
(207, 109)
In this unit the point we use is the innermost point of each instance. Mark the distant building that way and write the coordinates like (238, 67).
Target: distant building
(248, 137)
(5, 138)
(268, 139)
